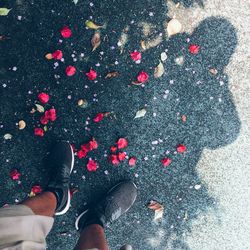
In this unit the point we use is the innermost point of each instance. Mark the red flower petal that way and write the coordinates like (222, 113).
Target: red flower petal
(91, 75)
(122, 143)
(194, 48)
(142, 77)
(81, 153)
(86, 147)
(44, 120)
(92, 165)
(43, 97)
(39, 132)
(181, 148)
(70, 70)
(166, 161)
(51, 114)
(93, 144)
(99, 117)
(135, 55)
(36, 189)
(122, 156)
(57, 54)
(15, 174)
(113, 148)
(114, 159)
(66, 32)
(132, 161)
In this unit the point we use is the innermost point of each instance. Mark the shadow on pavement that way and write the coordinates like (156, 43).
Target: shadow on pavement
(188, 89)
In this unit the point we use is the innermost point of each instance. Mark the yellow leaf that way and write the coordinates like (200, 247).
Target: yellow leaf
(92, 25)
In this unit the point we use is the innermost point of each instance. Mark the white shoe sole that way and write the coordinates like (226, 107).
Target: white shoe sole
(65, 210)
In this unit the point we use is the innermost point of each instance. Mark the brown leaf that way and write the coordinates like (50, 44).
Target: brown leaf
(159, 70)
(112, 74)
(21, 124)
(213, 71)
(49, 56)
(96, 40)
(158, 208)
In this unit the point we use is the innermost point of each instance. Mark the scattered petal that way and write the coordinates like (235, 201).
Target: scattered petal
(92, 25)
(132, 161)
(142, 77)
(51, 114)
(4, 11)
(66, 32)
(15, 174)
(166, 162)
(81, 153)
(213, 71)
(174, 27)
(194, 48)
(43, 97)
(184, 118)
(92, 165)
(140, 113)
(96, 40)
(122, 143)
(70, 70)
(57, 55)
(91, 75)
(21, 124)
(114, 159)
(44, 120)
(93, 144)
(179, 60)
(99, 117)
(36, 189)
(39, 132)
(181, 148)
(113, 148)
(159, 70)
(158, 208)
(122, 156)
(135, 55)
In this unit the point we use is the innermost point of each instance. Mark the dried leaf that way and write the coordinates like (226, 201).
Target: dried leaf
(21, 124)
(92, 25)
(112, 74)
(164, 56)
(173, 27)
(179, 60)
(7, 136)
(45, 128)
(213, 71)
(4, 11)
(49, 56)
(123, 39)
(158, 208)
(96, 40)
(159, 70)
(82, 103)
(143, 45)
(140, 113)
(39, 108)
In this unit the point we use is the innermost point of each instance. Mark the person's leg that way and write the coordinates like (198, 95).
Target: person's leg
(91, 223)
(42, 204)
(92, 236)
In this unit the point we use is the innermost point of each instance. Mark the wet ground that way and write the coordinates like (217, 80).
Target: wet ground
(191, 104)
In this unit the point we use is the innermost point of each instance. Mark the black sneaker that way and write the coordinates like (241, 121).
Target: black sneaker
(61, 163)
(117, 201)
